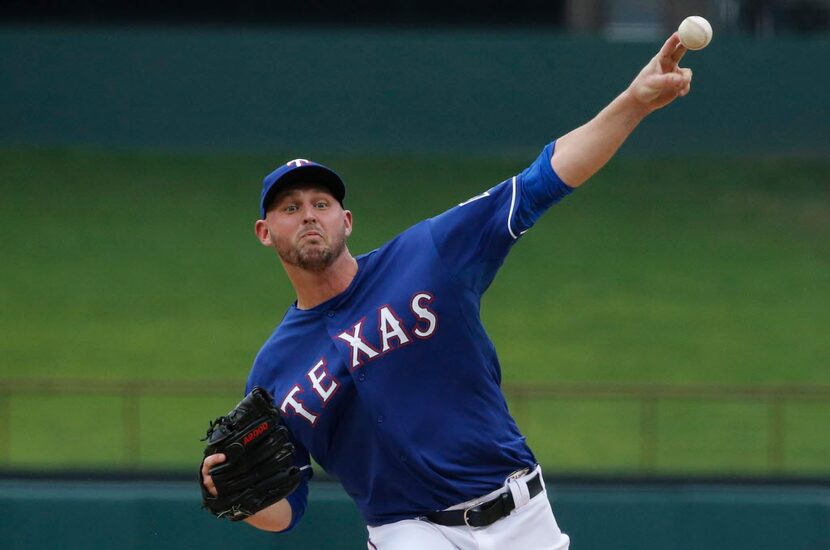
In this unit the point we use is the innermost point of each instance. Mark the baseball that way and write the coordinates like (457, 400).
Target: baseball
(695, 32)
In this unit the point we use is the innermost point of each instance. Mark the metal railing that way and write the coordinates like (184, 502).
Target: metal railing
(130, 392)
(649, 398)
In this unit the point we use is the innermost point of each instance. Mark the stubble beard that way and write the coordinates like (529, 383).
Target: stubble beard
(314, 258)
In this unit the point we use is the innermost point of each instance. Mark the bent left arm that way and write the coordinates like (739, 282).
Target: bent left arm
(579, 154)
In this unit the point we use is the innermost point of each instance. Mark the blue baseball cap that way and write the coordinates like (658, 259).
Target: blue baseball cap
(300, 171)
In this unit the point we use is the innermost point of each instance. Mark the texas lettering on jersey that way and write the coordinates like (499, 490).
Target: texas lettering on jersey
(391, 335)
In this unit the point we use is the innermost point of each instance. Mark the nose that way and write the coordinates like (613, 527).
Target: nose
(309, 214)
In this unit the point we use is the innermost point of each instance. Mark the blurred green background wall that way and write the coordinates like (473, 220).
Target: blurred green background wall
(393, 90)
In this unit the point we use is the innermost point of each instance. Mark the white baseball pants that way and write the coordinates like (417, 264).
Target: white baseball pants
(531, 526)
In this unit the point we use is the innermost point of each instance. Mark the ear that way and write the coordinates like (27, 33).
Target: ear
(347, 219)
(262, 233)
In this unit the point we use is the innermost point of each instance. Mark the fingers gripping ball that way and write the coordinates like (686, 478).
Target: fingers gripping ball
(695, 32)
(259, 467)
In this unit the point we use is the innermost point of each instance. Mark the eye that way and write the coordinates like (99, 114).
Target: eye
(321, 204)
(289, 208)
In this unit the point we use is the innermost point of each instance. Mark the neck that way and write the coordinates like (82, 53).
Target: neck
(315, 287)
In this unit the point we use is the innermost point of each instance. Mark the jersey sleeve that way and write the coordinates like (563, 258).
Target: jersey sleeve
(474, 238)
(299, 498)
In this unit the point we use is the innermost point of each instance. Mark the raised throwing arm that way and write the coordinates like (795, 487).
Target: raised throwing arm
(579, 154)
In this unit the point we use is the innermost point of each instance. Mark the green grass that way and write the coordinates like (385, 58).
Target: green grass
(122, 265)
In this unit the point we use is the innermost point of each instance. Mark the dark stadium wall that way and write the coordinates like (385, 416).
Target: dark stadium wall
(549, 13)
(384, 90)
(677, 516)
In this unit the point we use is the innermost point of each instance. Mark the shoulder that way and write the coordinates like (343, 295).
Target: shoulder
(407, 241)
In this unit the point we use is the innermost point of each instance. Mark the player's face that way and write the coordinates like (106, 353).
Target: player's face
(307, 227)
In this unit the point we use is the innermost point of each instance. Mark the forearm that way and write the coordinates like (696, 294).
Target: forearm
(276, 517)
(580, 153)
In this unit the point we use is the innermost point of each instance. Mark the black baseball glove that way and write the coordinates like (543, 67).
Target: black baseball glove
(259, 469)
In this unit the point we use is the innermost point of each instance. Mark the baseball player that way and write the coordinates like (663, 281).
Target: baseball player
(382, 368)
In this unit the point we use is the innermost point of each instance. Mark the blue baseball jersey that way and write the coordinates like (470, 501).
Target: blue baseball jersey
(393, 385)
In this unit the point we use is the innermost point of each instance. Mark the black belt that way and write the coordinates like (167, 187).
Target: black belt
(487, 512)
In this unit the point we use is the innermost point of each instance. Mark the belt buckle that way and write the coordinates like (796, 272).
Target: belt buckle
(466, 520)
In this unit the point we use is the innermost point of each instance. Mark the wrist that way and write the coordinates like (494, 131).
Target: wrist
(636, 109)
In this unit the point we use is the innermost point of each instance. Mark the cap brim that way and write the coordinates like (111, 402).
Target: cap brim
(312, 174)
